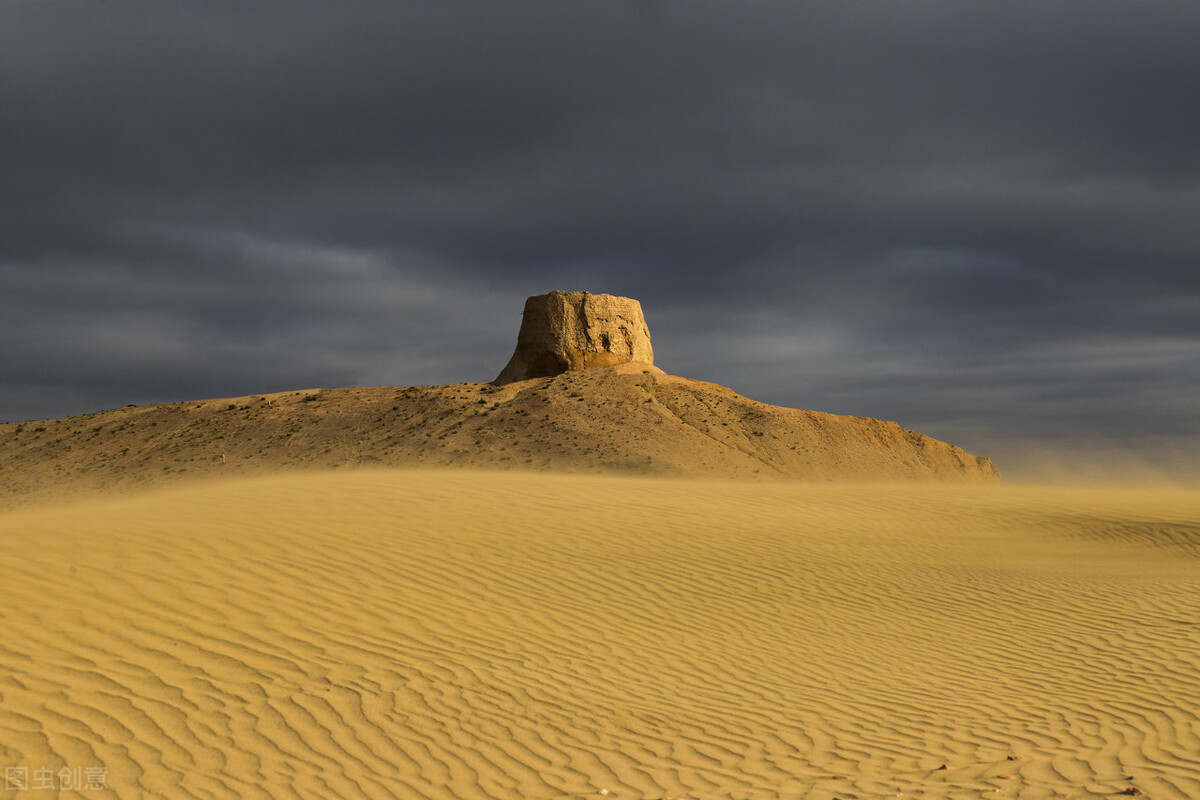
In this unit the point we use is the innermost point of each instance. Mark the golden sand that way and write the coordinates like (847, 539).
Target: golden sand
(427, 634)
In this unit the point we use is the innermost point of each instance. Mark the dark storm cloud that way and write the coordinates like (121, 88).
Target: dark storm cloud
(972, 218)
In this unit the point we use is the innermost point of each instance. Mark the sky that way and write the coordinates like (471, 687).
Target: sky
(980, 220)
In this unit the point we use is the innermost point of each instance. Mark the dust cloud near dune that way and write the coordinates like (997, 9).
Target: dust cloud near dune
(1096, 461)
(458, 634)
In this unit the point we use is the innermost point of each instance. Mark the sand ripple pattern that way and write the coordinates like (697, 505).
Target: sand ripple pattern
(421, 634)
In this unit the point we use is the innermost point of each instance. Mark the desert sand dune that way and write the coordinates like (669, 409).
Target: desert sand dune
(457, 634)
(624, 419)
(580, 394)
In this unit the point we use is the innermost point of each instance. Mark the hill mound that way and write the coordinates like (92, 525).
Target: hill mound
(626, 418)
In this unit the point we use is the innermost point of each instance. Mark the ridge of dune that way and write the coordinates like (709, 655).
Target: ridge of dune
(455, 634)
(629, 418)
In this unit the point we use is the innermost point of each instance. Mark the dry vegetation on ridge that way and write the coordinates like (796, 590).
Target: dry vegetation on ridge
(629, 419)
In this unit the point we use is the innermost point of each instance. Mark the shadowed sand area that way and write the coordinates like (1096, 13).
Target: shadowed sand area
(429, 634)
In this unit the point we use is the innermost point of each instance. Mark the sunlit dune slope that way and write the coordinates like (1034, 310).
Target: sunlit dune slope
(626, 419)
(452, 634)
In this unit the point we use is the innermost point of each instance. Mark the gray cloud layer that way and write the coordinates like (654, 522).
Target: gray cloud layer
(976, 219)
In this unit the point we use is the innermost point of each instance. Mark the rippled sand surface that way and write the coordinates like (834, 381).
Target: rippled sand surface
(425, 634)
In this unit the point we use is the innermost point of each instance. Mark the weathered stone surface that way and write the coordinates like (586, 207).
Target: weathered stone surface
(565, 331)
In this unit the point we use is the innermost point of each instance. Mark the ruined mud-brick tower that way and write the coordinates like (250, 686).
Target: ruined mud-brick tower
(564, 331)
